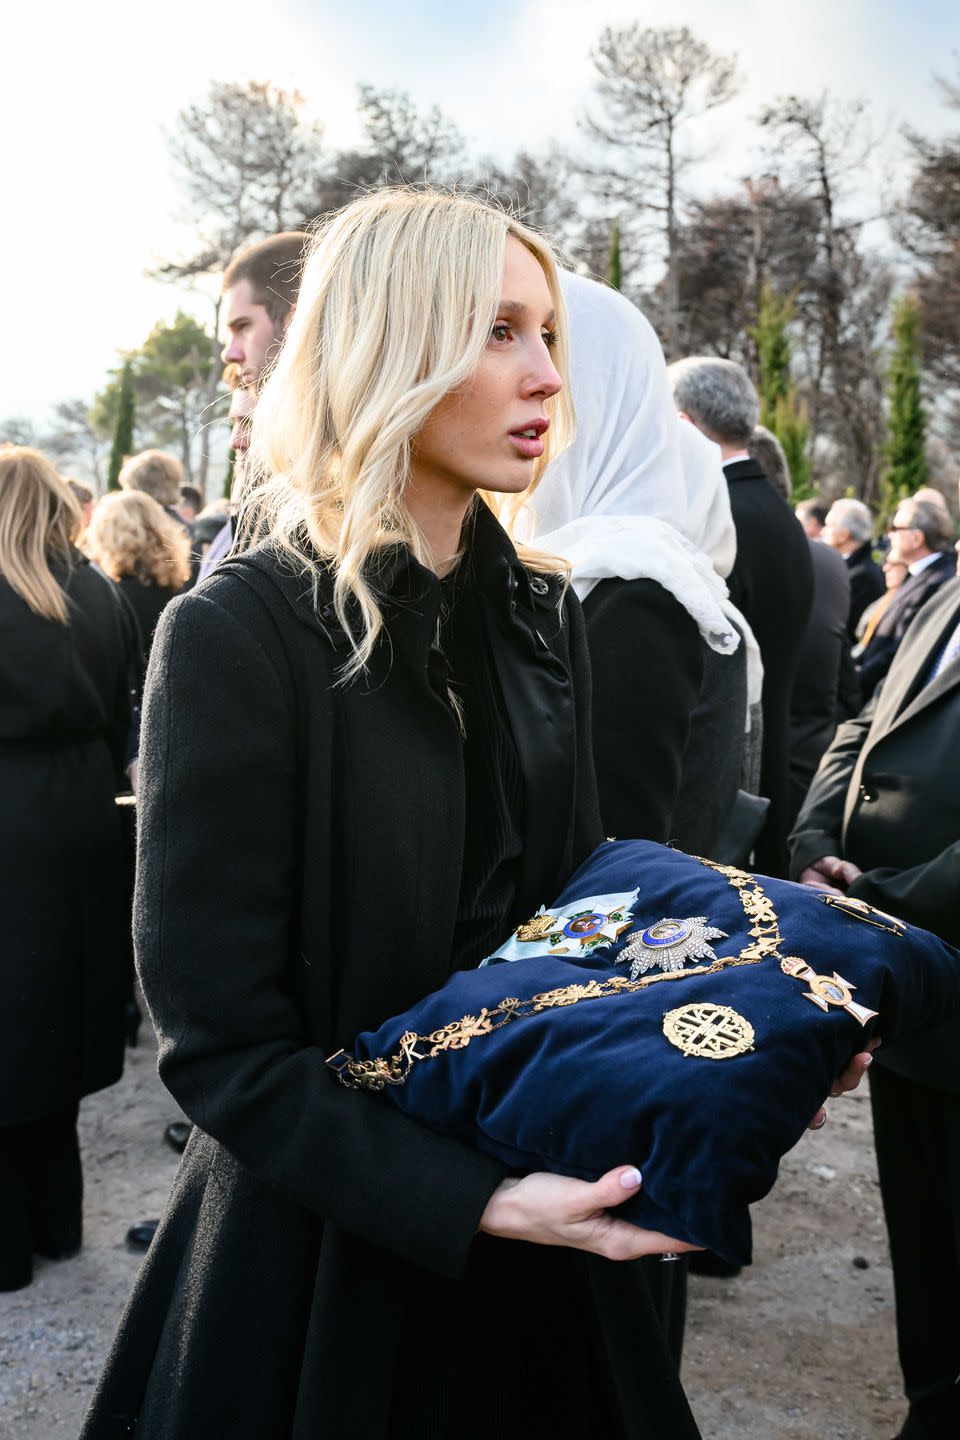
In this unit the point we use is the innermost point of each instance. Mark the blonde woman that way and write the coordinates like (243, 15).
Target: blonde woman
(146, 552)
(67, 652)
(366, 756)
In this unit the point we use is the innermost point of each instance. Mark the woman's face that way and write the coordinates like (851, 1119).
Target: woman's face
(487, 433)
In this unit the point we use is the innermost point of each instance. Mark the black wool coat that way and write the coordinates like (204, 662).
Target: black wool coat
(772, 583)
(867, 584)
(887, 797)
(65, 710)
(317, 1270)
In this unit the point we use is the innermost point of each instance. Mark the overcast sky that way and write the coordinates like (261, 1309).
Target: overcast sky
(89, 91)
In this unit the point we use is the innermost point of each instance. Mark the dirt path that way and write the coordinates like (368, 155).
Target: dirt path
(800, 1347)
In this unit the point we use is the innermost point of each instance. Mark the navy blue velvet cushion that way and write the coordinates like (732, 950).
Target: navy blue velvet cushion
(578, 1088)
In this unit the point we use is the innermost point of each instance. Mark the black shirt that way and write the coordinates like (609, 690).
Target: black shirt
(492, 777)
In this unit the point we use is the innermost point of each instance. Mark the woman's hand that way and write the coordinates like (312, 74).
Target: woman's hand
(554, 1210)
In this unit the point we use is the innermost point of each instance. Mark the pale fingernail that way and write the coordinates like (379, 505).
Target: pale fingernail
(819, 1122)
(868, 1062)
(631, 1178)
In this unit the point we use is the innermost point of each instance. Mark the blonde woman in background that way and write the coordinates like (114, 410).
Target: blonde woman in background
(366, 757)
(68, 655)
(144, 550)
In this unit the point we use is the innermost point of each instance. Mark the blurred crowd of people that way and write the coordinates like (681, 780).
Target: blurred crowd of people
(734, 647)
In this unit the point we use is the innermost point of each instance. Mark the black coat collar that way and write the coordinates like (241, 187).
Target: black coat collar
(744, 470)
(408, 591)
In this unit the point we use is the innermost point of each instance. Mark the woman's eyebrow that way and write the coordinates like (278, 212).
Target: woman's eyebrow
(518, 308)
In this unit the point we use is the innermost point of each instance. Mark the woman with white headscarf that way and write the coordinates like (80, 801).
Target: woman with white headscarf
(639, 506)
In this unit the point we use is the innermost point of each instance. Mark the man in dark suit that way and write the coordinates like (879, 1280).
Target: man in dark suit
(881, 823)
(849, 529)
(917, 540)
(772, 580)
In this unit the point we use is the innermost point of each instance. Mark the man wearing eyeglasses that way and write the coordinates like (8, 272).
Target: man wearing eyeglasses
(917, 540)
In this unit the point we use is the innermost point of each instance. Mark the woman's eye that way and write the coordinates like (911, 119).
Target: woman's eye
(500, 331)
(550, 338)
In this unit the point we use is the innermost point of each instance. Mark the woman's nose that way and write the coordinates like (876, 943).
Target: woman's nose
(545, 380)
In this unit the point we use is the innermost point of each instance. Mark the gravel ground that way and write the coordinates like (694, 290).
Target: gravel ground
(799, 1347)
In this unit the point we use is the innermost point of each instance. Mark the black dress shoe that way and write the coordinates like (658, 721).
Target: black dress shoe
(177, 1134)
(140, 1234)
(704, 1262)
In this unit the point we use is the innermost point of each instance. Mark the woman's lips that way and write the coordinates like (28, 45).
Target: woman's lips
(530, 446)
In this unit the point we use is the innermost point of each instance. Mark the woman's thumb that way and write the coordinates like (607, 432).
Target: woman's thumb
(617, 1185)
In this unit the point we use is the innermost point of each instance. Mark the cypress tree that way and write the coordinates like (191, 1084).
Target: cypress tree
(228, 477)
(780, 410)
(773, 353)
(792, 429)
(906, 425)
(614, 268)
(123, 430)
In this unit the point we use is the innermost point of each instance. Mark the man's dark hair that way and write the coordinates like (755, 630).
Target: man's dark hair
(272, 269)
(769, 454)
(813, 509)
(189, 495)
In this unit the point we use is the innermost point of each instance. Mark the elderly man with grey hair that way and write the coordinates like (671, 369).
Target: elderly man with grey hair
(918, 539)
(772, 579)
(849, 529)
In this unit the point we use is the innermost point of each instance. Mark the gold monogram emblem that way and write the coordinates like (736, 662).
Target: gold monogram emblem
(710, 1032)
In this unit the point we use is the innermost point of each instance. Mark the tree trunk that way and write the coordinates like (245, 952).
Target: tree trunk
(210, 395)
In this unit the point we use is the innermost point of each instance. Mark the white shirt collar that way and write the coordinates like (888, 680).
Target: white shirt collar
(735, 459)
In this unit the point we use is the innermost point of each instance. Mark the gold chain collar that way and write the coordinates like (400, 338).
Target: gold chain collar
(376, 1074)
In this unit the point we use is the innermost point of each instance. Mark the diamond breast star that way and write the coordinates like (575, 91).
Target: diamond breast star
(670, 943)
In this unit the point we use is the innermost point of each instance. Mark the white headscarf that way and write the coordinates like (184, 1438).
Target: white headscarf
(640, 494)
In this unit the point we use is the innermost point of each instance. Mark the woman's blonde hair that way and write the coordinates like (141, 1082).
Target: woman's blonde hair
(39, 520)
(400, 290)
(130, 534)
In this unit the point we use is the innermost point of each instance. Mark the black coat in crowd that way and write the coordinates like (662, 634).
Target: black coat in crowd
(65, 711)
(896, 620)
(772, 583)
(668, 718)
(148, 603)
(318, 1270)
(867, 584)
(813, 710)
(887, 797)
(647, 658)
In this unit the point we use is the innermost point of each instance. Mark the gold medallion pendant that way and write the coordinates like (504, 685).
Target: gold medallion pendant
(709, 1032)
(826, 990)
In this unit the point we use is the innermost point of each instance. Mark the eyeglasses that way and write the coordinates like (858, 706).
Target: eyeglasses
(891, 528)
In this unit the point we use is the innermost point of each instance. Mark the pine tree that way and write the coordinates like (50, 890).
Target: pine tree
(906, 422)
(614, 267)
(123, 430)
